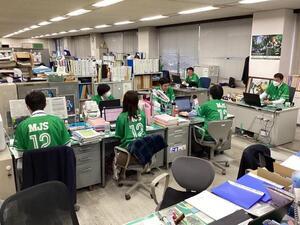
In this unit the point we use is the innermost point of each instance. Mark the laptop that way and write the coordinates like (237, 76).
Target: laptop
(111, 115)
(176, 79)
(252, 99)
(183, 103)
(109, 104)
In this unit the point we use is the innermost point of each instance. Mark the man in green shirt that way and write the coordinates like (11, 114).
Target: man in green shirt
(213, 110)
(277, 91)
(131, 123)
(40, 130)
(192, 79)
(166, 88)
(104, 93)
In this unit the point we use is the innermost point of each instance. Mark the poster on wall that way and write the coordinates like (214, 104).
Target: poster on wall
(266, 46)
(257, 85)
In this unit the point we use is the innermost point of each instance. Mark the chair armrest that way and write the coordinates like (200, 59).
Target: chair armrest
(156, 181)
(120, 149)
(202, 133)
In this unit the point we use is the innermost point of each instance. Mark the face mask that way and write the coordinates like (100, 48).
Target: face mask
(276, 84)
(107, 94)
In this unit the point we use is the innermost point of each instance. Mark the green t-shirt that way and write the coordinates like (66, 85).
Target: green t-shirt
(276, 93)
(212, 111)
(192, 80)
(98, 98)
(169, 93)
(41, 131)
(128, 130)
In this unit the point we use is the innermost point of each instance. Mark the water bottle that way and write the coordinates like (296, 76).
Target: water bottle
(173, 108)
(107, 128)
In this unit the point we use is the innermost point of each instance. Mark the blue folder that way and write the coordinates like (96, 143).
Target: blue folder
(237, 195)
(256, 184)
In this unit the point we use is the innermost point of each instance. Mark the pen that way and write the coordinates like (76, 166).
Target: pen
(179, 219)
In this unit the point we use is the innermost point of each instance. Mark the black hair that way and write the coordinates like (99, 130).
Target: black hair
(35, 100)
(130, 104)
(190, 68)
(216, 92)
(102, 89)
(279, 75)
(163, 81)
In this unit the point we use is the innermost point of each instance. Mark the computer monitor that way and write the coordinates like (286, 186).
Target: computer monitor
(252, 99)
(176, 79)
(109, 104)
(111, 114)
(183, 103)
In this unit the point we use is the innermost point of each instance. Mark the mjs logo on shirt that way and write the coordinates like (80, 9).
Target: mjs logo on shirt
(38, 127)
(221, 105)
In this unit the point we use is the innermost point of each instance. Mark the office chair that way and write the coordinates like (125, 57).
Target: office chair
(47, 203)
(193, 174)
(292, 91)
(138, 168)
(204, 82)
(220, 131)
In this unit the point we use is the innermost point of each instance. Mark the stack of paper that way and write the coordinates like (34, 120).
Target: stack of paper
(87, 136)
(97, 124)
(165, 120)
(293, 162)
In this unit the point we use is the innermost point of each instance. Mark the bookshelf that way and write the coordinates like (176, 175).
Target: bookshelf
(85, 89)
(146, 81)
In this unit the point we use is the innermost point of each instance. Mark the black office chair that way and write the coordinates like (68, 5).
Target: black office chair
(166, 74)
(47, 203)
(191, 173)
(292, 91)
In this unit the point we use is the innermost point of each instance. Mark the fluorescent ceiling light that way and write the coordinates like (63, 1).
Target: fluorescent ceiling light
(252, 1)
(153, 18)
(62, 32)
(47, 35)
(54, 34)
(42, 36)
(44, 23)
(123, 22)
(34, 26)
(86, 28)
(78, 12)
(197, 10)
(58, 18)
(105, 3)
(102, 26)
(72, 31)
(26, 29)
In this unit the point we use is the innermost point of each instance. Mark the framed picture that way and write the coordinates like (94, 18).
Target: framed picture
(257, 85)
(266, 46)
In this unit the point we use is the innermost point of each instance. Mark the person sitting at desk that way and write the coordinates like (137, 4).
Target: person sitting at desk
(164, 85)
(214, 109)
(277, 91)
(130, 125)
(192, 79)
(40, 130)
(104, 93)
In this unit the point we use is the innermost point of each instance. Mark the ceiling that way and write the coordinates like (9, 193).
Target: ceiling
(19, 14)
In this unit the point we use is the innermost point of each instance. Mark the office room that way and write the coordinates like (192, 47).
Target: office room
(149, 112)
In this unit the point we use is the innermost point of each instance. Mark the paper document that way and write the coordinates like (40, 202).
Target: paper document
(18, 108)
(212, 205)
(293, 162)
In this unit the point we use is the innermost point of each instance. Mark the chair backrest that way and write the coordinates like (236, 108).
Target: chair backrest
(220, 130)
(47, 203)
(204, 82)
(193, 173)
(292, 91)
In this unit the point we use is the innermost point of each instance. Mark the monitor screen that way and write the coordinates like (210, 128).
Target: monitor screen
(183, 103)
(111, 114)
(70, 101)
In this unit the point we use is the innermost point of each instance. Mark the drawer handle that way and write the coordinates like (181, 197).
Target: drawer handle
(84, 149)
(178, 131)
(8, 169)
(85, 159)
(85, 170)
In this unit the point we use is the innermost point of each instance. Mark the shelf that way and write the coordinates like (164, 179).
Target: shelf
(86, 99)
(89, 83)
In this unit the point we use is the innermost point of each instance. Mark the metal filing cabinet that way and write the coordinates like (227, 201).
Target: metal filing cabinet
(177, 137)
(88, 165)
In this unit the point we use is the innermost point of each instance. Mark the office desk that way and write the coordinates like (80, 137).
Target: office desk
(201, 93)
(280, 125)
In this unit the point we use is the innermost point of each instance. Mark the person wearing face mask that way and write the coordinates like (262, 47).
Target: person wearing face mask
(277, 92)
(192, 78)
(164, 85)
(104, 93)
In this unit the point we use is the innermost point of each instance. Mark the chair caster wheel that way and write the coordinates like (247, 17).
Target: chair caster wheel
(120, 185)
(156, 184)
(223, 173)
(151, 196)
(127, 197)
(227, 164)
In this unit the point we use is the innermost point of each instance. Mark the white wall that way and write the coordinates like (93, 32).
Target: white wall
(121, 42)
(225, 44)
(296, 57)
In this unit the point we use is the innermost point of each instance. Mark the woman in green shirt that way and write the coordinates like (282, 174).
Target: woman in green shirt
(130, 125)
(104, 93)
(192, 79)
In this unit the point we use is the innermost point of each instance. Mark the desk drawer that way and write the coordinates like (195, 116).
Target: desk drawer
(88, 157)
(88, 174)
(86, 148)
(177, 130)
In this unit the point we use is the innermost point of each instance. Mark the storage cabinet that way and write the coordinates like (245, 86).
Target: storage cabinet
(88, 165)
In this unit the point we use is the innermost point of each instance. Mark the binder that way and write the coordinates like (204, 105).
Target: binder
(256, 184)
(238, 194)
(235, 218)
